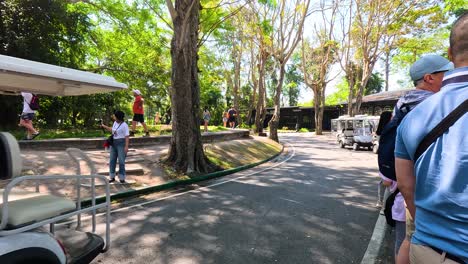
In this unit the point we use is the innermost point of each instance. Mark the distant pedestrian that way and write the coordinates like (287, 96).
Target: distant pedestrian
(119, 147)
(138, 113)
(157, 118)
(206, 118)
(232, 114)
(27, 116)
(225, 119)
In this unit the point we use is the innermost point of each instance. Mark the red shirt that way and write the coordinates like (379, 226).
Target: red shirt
(138, 105)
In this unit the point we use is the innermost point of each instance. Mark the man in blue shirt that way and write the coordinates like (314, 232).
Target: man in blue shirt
(435, 186)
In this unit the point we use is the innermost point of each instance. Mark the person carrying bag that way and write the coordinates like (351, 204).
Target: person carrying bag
(118, 142)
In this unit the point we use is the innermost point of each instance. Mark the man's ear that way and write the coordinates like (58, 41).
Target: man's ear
(450, 55)
(427, 77)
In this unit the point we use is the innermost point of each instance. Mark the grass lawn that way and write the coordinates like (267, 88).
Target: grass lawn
(92, 133)
(230, 155)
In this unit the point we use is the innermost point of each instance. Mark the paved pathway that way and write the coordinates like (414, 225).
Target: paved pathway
(316, 207)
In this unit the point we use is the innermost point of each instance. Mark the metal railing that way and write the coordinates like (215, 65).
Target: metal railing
(76, 155)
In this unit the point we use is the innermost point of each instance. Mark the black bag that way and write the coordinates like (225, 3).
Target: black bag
(388, 208)
(110, 140)
(34, 104)
(386, 152)
(430, 138)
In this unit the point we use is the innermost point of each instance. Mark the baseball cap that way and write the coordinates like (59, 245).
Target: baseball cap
(137, 92)
(429, 64)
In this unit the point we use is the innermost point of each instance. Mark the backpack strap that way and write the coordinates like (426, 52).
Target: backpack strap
(438, 130)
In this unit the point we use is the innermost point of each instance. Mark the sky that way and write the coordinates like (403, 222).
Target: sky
(396, 78)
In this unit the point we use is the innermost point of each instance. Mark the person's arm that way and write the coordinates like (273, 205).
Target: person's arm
(406, 182)
(127, 140)
(106, 128)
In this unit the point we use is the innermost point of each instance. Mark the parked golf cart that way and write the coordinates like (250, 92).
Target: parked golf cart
(31, 224)
(354, 131)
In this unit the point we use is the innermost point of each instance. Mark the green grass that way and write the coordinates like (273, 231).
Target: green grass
(92, 133)
(243, 152)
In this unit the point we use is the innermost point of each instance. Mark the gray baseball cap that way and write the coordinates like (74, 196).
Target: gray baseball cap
(429, 64)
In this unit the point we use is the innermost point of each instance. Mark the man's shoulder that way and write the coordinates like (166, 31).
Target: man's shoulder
(413, 97)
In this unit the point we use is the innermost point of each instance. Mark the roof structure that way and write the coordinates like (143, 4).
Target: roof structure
(385, 96)
(19, 75)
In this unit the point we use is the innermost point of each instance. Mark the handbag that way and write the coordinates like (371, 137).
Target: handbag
(110, 139)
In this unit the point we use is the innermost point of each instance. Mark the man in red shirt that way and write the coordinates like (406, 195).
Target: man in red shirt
(138, 113)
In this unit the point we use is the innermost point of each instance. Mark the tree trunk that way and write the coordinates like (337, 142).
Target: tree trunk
(366, 73)
(351, 84)
(274, 122)
(387, 69)
(186, 148)
(317, 106)
(254, 81)
(261, 96)
(237, 56)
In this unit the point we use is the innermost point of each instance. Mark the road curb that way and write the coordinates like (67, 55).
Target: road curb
(376, 241)
(170, 185)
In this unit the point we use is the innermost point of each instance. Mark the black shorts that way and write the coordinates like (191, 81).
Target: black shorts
(27, 116)
(232, 119)
(138, 118)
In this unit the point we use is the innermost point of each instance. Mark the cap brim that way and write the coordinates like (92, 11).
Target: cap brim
(447, 67)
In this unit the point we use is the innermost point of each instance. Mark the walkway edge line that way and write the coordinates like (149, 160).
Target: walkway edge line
(172, 184)
(376, 241)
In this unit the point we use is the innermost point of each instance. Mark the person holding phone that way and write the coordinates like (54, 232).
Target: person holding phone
(119, 147)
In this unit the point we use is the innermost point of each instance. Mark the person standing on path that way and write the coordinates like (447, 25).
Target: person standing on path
(206, 118)
(232, 113)
(434, 185)
(138, 113)
(427, 74)
(27, 116)
(119, 147)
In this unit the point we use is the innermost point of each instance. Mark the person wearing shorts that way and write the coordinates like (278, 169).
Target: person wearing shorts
(138, 112)
(232, 117)
(27, 117)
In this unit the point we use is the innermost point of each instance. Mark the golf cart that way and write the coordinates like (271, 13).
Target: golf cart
(32, 224)
(354, 131)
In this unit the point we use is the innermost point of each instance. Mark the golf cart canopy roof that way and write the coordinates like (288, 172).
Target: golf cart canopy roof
(18, 75)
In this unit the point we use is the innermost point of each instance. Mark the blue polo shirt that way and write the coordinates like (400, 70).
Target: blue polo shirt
(441, 194)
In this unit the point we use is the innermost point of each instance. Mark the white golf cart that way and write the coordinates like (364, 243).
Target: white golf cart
(354, 131)
(31, 229)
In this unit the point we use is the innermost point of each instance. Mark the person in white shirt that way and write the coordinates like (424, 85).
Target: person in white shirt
(27, 117)
(119, 147)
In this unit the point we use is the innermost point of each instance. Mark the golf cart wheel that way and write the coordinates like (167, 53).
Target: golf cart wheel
(355, 146)
(341, 143)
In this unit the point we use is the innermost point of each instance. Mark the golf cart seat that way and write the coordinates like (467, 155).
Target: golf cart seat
(25, 207)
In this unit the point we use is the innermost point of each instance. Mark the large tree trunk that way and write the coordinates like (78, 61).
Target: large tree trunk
(274, 122)
(237, 56)
(387, 69)
(259, 115)
(254, 80)
(366, 73)
(350, 96)
(319, 105)
(186, 148)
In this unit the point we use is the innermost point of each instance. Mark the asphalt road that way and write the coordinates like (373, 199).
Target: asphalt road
(315, 206)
